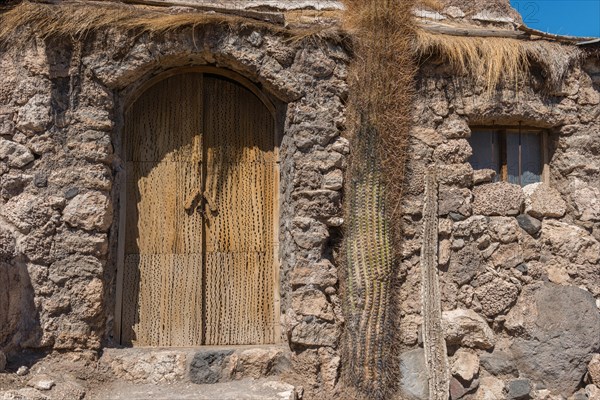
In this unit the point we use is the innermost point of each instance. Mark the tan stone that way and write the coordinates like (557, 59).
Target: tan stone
(312, 302)
(570, 242)
(587, 203)
(490, 388)
(89, 211)
(592, 392)
(467, 328)
(499, 198)
(594, 369)
(465, 365)
(542, 200)
(496, 296)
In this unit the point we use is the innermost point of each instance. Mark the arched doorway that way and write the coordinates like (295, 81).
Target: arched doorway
(199, 265)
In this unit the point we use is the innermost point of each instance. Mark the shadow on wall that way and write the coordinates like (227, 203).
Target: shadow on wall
(19, 320)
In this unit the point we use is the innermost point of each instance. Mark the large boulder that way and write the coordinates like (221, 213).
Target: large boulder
(559, 330)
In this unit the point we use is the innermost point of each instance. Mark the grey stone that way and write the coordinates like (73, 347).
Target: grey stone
(2, 361)
(458, 390)
(456, 216)
(454, 200)
(465, 264)
(518, 389)
(40, 180)
(522, 268)
(413, 375)
(71, 192)
(499, 362)
(529, 224)
(499, 198)
(206, 366)
(560, 330)
(15, 154)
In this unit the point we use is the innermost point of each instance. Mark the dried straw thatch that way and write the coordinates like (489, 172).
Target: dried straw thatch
(491, 61)
(379, 113)
(76, 19)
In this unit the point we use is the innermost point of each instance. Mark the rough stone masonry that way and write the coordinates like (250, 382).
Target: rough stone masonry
(519, 267)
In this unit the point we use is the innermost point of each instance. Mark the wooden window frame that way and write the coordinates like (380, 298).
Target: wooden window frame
(502, 132)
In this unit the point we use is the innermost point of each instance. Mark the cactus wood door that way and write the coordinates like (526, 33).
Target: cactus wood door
(199, 265)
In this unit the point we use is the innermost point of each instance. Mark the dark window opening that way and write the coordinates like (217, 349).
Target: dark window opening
(516, 155)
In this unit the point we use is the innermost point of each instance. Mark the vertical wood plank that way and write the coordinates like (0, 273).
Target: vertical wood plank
(239, 230)
(162, 283)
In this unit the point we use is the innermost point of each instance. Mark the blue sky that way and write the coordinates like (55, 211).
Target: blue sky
(565, 17)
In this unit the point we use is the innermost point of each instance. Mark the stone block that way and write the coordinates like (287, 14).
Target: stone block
(559, 331)
(321, 274)
(499, 362)
(15, 154)
(89, 211)
(529, 224)
(454, 200)
(453, 151)
(483, 176)
(465, 365)
(542, 200)
(594, 369)
(413, 375)
(499, 198)
(207, 366)
(496, 296)
(466, 328)
(587, 203)
(518, 389)
(312, 333)
(313, 302)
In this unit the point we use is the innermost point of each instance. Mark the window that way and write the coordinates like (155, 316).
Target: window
(518, 155)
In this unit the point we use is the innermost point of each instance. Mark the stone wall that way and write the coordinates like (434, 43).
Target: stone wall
(61, 114)
(518, 267)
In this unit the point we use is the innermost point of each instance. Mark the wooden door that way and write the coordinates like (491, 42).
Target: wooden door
(240, 168)
(199, 259)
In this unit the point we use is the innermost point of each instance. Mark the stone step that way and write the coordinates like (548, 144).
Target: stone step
(203, 365)
(247, 389)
